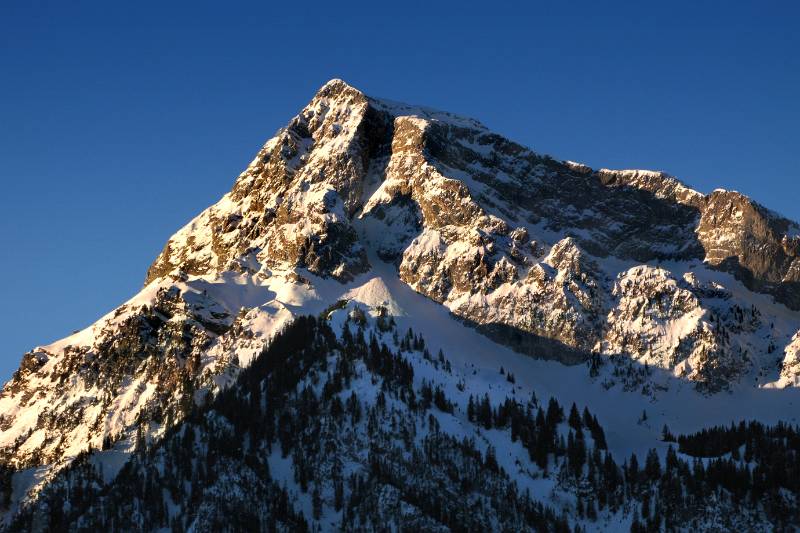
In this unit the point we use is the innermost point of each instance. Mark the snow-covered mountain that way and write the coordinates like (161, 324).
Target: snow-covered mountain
(623, 291)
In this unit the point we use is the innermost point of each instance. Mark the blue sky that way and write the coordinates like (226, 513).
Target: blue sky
(120, 123)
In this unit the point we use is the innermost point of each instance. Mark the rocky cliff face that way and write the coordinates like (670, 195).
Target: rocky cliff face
(550, 257)
(761, 248)
(291, 208)
(143, 364)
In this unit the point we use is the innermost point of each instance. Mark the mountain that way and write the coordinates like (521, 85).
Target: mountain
(622, 291)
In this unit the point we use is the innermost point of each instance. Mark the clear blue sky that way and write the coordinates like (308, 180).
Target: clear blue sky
(119, 123)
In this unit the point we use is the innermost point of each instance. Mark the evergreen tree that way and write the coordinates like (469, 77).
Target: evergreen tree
(574, 417)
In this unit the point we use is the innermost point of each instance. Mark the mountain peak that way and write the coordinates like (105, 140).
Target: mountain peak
(335, 88)
(335, 85)
(357, 198)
